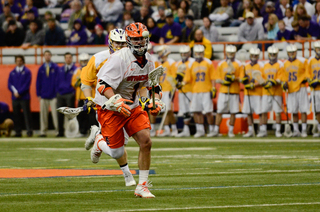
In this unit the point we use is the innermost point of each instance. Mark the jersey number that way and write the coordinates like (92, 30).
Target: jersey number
(200, 76)
(316, 74)
(292, 76)
(271, 76)
(163, 77)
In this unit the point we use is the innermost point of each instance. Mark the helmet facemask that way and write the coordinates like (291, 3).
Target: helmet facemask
(317, 50)
(292, 55)
(273, 57)
(116, 45)
(185, 56)
(138, 45)
(198, 56)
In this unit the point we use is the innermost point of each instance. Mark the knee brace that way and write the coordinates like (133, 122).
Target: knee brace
(117, 153)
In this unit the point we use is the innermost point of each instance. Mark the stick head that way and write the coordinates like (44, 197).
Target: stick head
(287, 131)
(241, 55)
(231, 68)
(70, 113)
(155, 74)
(256, 75)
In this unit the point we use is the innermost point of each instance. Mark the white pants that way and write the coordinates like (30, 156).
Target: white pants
(166, 98)
(270, 103)
(298, 101)
(228, 103)
(184, 104)
(316, 101)
(44, 112)
(201, 102)
(255, 104)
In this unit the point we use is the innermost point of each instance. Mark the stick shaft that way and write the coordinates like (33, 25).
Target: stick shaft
(153, 98)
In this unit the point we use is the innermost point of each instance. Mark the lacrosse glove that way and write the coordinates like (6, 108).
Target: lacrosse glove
(179, 77)
(249, 85)
(229, 77)
(144, 103)
(179, 85)
(88, 104)
(314, 83)
(119, 104)
(305, 80)
(245, 80)
(284, 86)
(159, 106)
(269, 83)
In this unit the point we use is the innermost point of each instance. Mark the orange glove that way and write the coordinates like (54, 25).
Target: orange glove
(159, 106)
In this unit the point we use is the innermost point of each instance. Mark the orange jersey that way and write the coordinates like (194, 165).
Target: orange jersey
(188, 87)
(294, 73)
(200, 75)
(167, 79)
(274, 72)
(313, 69)
(222, 70)
(257, 91)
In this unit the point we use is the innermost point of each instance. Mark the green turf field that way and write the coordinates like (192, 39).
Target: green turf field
(190, 175)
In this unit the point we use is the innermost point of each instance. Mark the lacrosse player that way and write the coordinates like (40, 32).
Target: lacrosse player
(295, 77)
(119, 80)
(117, 40)
(272, 92)
(200, 76)
(253, 91)
(314, 73)
(185, 93)
(228, 101)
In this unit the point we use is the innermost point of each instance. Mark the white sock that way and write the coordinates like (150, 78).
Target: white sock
(231, 129)
(319, 127)
(143, 176)
(296, 127)
(186, 128)
(250, 128)
(201, 127)
(278, 127)
(211, 127)
(198, 127)
(304, 126)
(216, 128)
(125, 169)
(103, 145)
(263, 128)
(166, 128)
(152, 127)
(173, 127)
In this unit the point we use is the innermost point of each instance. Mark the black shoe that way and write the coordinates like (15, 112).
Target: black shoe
(42, 135)
(59, 135)
(18, 135)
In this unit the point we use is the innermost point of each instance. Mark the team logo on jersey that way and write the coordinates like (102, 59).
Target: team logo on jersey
(138, 78)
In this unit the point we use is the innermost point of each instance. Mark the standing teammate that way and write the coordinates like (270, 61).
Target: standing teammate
(272, 92)
(295, 77)
(253, 92)
(185, 93)
(228, 101)
(117, 40)
(119, 80)
(314, 73)
(200, 76)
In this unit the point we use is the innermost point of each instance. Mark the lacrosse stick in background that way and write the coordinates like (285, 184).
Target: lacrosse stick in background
(180, 75)
(314, 128)
(231, 70)
(69, 112)
(154, 77)
(166, 111)
(287, 129)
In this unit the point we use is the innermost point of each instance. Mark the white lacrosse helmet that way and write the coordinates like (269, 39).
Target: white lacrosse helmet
(149, 46)
(198, 52)
(231, 52)
(119, 36)
(163, 51)
(316, 46)
(254, 54)
(83, 59)
(273, 53)
(292, 51)
(184, 52)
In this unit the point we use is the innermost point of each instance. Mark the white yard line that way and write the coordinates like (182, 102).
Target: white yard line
(127, 148)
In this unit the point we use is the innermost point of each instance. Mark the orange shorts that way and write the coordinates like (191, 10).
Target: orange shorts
(112, 124)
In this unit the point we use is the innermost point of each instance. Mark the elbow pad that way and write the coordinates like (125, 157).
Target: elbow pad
(102, 86)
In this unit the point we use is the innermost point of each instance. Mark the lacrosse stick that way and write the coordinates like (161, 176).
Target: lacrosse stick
(314, 128)
(154, 77)
(287, 129)
(181, 69)
(166, 111)
(69, 112)
(231, 70)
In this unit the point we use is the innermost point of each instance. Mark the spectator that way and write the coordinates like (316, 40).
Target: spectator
(289, 18)
(195, 7)
(48, 15)
(171, 32)
(50, 3)
(14, 36)
(39, 3)
(6, 122)
(65, 92)
(154, 31)
(308, 7)
(235, 4)
(109, 27)
(199, 38)
(54, 35)
(307, 29)
(90, 31)
(284, 4)
(283, 34)
(19, 84)
(299, 10)
(128, 7)
(222, 15)
(15, 8)
(78, 35)
(245, 6)
(187, 33)
(27, 7)
(147, 3)
(6, 13)
(126, 20)
(111, 11)
(77, 13)
(161, 21)
(272, 27)
(257, 14)
(260, 4)
(295, 31)
(174, 6)
(250, 30)
(181, 18)
(31, 17)
(5, 25)
(2, 37)
(184, 4)
(209, 30)
(47, 92)
(142, 16)
(270, 9)
(91, 16)
(208, 6)
(34, 36)
(161, 8)
(99, 37)
(316, 17)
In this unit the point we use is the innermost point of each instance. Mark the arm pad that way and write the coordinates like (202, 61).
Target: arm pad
(102, 86)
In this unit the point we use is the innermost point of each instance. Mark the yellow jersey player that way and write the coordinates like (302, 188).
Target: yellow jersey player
(117, 40)
(252, 92)
(185, 93)
(314, 74)
(272, 93)
(227, 75)
(168, 89)
(295, 77)
(200, 76)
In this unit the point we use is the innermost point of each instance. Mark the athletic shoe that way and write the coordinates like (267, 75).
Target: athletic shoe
(213, 134)
(96, 151)
(199, 134)
(304, 134)
(231, 135)
(130, 180)
(296, 134)
(248, 134)
(316, 135)
(278, 134)
(174, 133)
(164, 134)
(183, 134)
(143, 191)
(262, 134)
(90, 140)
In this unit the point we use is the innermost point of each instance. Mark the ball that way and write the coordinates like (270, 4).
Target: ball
(145, 34)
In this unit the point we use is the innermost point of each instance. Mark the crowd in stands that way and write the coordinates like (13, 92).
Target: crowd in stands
(90, 21)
